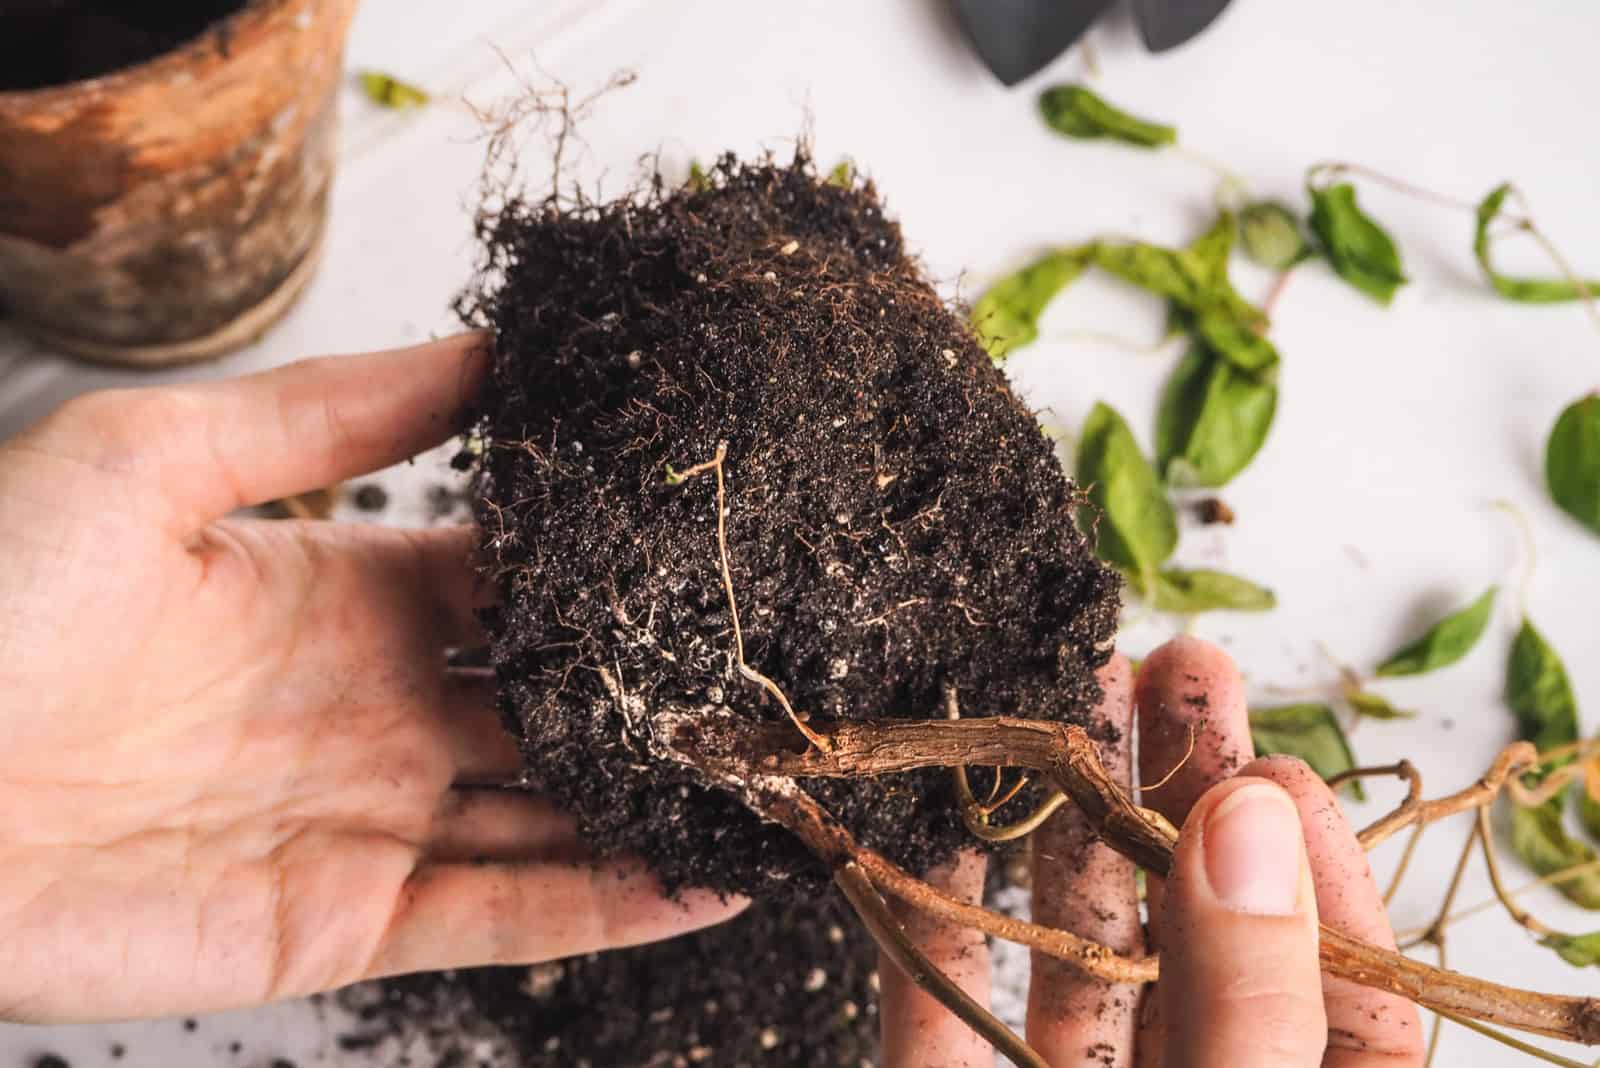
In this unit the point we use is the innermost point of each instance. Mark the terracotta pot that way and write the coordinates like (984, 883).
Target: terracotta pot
(172, 211)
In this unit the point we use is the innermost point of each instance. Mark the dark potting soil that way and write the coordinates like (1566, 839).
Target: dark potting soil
(896, 521)
(780, 986)
(54, 42)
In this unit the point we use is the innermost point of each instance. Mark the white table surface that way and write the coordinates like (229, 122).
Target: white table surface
(1370, 508)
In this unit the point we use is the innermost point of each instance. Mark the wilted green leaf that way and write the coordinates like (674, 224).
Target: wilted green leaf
(1580, 951)
(1077, 112)
(388, 91)
(1358, 248)
(1006, 317)
(1526, 290)
(1538, 691)
(1271, 235)
(1572, 461)
(1190, 591)
(1376, 706)
(1542, 842)
(1163, 271)
(1445, 642)
(1136, 528)
(1206, 257)
(843, 174)
(1308, 731)
(1212, 421)
(1237, 341)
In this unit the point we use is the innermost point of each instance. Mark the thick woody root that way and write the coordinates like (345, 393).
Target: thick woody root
(760, 765)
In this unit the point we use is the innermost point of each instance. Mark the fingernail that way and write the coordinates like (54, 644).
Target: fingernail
(1253, 851)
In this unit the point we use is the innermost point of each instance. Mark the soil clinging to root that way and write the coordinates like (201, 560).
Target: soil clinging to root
(896, 521)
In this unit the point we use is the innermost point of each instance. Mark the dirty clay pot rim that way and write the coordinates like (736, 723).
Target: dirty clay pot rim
(240, 29)
(250, 326)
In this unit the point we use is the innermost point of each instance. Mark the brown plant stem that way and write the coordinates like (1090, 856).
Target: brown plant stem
(733, 751)
(1514, 910)
(898, 947)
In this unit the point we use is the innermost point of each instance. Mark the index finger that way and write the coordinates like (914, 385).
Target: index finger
(1082, 885)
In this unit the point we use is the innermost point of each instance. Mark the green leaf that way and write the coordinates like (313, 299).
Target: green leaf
(1206, 257)
(1163, 271)
(1580, 951)
(843, 174)
(1445, 642)
(1006, 317)
(698, 181)
(1376, 706)
(1136, 528)
(1308, 731)
(1212, 421)
(1202, 590)
(1271, 235)
(1077, 112)
(390, 92)
(1357, 247)
(1538, 691)
(1542, 842)
(1525, 290)
(1572, 461)
(1237, 341)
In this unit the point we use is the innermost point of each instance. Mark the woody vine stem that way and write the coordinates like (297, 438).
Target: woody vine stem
(761, 765)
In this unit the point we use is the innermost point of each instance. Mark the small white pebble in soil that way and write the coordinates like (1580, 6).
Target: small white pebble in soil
(790, 249)
(771, 276)
(872, 981)
(842, 518)
(542, 979)
(700, 1053)
(816, 979)
(714, 695)
(769, 1039)
(838, 668)
(552, 1043)
(635, 359)
(700, 278)
(949, 356)
(836, 934)
(850, 1010)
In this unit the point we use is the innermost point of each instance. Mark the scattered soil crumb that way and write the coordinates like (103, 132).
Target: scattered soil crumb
(1213, 510)
(745, 993)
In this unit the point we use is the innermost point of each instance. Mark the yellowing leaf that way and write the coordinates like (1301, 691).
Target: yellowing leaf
(385, 90)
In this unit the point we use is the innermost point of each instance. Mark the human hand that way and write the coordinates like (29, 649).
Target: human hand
(227, 746)
(1264, 852)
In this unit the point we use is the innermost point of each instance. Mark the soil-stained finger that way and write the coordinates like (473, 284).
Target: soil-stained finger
(468, 915)
(1193, 718)
(481, 748)
(1084, 886)
(502, 826)
(917, 1030)
(1366, 1028)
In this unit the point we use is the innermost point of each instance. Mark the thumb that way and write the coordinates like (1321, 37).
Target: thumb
(1240, 985)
